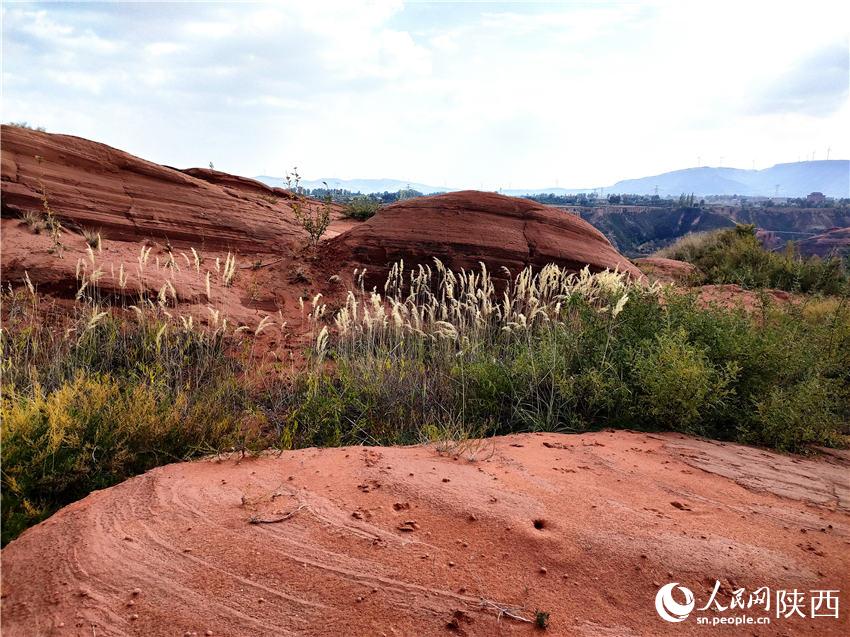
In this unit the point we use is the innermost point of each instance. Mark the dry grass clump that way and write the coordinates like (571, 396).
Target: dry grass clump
(686, 247)
(93, 239)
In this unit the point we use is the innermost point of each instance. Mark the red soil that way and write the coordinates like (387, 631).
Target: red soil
(409, 541)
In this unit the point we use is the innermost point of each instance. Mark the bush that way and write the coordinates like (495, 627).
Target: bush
(678, 387)
(736, 256)
(361, 208)
(94, 431)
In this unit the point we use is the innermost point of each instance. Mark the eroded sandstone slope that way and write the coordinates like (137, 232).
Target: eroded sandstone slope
(435, 541)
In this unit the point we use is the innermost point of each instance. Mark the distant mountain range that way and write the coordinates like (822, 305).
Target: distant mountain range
(797, 179)
(360, 185)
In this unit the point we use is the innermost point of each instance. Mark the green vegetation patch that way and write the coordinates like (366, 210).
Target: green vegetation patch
(736, 256)
(92, 399)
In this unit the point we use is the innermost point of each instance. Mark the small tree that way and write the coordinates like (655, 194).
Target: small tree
(314, 221)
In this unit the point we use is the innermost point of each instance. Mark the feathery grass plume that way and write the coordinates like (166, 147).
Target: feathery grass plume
(263, 324)
(197, 259)
(81, 290)
(28, 283)
(164, 292)
(159, 334)
(171, 262)
(322, 343)
(122, 277)
(229, 271)
(215, 315)
(144, 255)
(207, 286)
(96, 317)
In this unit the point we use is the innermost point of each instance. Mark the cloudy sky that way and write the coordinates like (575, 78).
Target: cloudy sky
(460, 94)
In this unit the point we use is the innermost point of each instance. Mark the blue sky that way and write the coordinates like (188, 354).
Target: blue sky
(461, 94)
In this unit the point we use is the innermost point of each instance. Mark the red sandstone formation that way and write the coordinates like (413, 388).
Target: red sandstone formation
(94, 186)
(834, 242)
(410, 541)
(468, 227)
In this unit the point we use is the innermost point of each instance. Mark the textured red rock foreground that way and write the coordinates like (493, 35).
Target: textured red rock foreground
(409, 541)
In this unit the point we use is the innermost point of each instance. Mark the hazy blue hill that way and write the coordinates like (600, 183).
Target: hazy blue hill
(700, 181)
(796, 179)
(359, 185)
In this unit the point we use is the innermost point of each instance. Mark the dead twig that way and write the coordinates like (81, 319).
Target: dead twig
(254, 519)
(504, 610)
(251, 266)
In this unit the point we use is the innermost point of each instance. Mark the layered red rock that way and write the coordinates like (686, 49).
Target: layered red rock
(465, 228)
(412, 541)
(92, 185)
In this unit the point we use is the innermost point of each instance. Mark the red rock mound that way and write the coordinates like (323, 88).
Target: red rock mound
(409, 541)
(463, 228)
(666, 270)
(94, 186)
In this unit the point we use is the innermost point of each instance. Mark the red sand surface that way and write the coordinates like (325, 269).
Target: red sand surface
(428, 541)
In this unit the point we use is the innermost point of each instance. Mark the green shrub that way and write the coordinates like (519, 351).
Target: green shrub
(677, 385)
(562, 353)
(789, 418)
(361, 208)
(736, 256)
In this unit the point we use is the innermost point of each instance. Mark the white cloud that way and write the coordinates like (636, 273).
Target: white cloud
(458, 94)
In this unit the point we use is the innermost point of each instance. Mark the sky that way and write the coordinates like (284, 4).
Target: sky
(479, 95)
